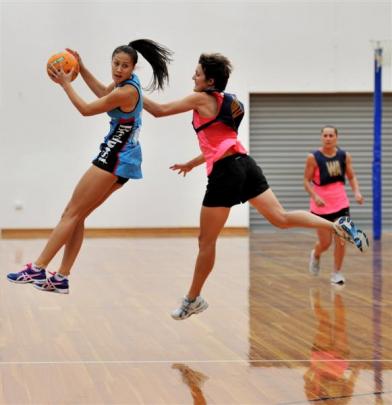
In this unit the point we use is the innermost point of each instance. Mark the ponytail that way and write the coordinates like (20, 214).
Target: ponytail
(158, 56)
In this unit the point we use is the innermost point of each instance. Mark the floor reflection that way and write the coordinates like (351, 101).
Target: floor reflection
(377, 318)
(330, 375)
(339, 342)
(194, 380)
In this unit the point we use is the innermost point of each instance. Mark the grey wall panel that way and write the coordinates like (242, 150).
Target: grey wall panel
(284, 128)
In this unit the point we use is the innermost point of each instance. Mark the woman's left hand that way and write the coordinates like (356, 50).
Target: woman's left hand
(358, 198)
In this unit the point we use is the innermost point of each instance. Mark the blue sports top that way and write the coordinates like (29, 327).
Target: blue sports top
(120, 151)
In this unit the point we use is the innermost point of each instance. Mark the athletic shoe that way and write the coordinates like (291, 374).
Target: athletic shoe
(337, 278)
(51, 284)
(345, 228)
(27, 275)
(314, 264)
(189, 308)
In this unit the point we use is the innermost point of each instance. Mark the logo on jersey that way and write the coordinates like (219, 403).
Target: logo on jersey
(334, 168)
(115, 143)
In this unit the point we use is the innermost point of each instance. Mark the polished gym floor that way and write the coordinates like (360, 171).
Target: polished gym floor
(273, 334)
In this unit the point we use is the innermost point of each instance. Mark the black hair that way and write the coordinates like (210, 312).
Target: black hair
(330, 126)
(157, 55)
(217, 67)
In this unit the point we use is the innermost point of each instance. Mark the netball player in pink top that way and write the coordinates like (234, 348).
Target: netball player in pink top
(325, 172)
(233, 176)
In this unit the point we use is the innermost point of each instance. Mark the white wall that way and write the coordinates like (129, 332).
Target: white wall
(275, 46)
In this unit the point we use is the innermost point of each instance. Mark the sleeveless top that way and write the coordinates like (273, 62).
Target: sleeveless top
(216, 139)
(122, 140)
(328, 183)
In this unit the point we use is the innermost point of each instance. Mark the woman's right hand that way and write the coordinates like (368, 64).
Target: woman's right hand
(76, 55)
(182, 168)
(319, 201)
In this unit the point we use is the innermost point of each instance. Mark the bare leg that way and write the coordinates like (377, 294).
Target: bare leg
(339, 253)
(74, 243)
(323, 242)
(268, 205)
(92, 187)
(212, 220)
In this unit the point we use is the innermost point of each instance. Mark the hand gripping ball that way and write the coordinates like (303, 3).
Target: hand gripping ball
(66, 61)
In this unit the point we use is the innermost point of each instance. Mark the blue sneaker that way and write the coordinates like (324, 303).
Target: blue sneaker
(27, 275)
(345, 228)
(51, 284)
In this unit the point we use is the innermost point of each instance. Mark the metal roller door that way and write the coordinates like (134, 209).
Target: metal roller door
(284, 128)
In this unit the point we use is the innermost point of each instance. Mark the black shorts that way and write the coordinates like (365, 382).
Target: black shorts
(121, 180)
(344, 212)
(234, 179)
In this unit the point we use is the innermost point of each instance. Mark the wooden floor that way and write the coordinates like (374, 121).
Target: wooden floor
(272, 334)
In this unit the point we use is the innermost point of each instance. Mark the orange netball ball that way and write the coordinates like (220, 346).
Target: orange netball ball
(66, 61)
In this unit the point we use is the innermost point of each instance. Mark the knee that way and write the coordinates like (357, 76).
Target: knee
(280, 220)
(72, 214)
(206, 242)
(324, 244)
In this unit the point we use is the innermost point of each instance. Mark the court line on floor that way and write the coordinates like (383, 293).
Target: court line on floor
(312, 401)
(98, 362)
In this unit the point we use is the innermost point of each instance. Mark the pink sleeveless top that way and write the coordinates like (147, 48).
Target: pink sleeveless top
(217, 139)
(333, 194)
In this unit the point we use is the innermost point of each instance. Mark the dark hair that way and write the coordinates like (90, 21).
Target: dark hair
(330, 126)
(157, 55)
(217, 67)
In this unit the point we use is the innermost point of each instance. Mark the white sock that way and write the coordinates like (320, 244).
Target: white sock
(36, 268)
(59, 277)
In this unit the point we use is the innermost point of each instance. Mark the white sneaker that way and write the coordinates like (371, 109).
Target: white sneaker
(189, 308)
(314, 264)
(337, 278)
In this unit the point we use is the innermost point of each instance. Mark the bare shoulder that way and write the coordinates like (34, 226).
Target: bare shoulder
(310, 160)
(206, 104)
(310, 157)
(348, 157)
(197, 101)
(125, 93)
(199, 97)
(127, 88)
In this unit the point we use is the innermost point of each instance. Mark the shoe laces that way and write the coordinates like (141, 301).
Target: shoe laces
(28, 266)
(185, 304)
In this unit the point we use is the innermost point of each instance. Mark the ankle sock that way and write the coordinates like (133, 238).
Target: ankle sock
(36, 268)
(60, 277)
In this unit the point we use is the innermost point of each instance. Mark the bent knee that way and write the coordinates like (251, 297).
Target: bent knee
(324, 245)
(73, 214)
(280, 220)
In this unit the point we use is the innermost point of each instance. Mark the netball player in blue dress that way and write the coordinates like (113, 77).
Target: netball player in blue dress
(118, 161)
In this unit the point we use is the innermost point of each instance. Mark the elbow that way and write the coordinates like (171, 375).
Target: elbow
(157, 113)
(86, 112)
